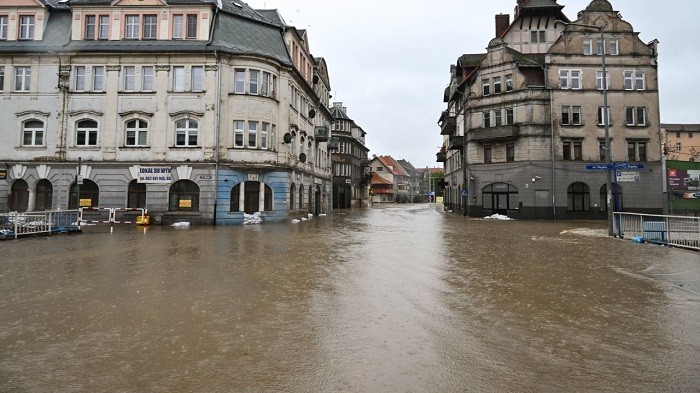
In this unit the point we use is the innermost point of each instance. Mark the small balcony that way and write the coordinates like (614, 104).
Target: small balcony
(456, 143)
(494, 134)
(441, 157)
(321, 133)
(448, 126)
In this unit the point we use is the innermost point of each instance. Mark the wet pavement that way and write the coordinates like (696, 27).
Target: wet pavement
(388, 299)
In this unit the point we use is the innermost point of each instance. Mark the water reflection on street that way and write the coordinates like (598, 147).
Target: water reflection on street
(388, 299)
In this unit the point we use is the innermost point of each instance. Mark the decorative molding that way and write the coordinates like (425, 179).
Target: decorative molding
(210, 68)
(184, 172)
(85, 171)
(19, 170)
(113, 68)
(162, 68)
(134, 170)
(86, 112)
(43, 171)
(186, 113)
(142, 113)
(25, 113)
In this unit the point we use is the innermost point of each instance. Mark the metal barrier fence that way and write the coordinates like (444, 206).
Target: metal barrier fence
(13, 225)
(679, 231)
(111, 216)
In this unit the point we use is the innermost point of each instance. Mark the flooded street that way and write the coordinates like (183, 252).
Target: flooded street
(388, 299)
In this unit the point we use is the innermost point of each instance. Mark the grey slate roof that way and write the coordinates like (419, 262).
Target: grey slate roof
(542, 4)
(339, 113)
(245, 37)
(56, 35)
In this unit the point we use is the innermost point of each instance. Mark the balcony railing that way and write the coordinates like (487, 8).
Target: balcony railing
(448, 125)
(456, 143)
(441, 157)
(494, 134)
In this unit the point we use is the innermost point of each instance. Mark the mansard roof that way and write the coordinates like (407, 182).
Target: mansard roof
(338, 113)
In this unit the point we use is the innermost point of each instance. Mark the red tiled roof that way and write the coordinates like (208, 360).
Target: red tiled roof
(392, 165)
(376, 179)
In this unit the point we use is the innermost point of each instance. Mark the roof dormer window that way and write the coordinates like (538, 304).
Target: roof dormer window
(26, 27)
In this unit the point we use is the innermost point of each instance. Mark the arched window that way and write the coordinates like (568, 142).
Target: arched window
(251, 197)
(497, 197)
(292, 192)
(136, 132)
(89, 195)
(311, 196)
(184, 196)
(19, 196)
(301, 196)
(186, 130)
(86, 133)
(617, 197)
(579, 198)
(33, 133)
(136, 198)
(44, 195)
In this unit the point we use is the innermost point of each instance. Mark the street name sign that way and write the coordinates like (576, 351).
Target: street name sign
(614, 166)
(627, 176)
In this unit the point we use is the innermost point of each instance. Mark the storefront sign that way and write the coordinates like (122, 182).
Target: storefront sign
(185, 203)
(85, 202)
(155, 174)
(684, 179)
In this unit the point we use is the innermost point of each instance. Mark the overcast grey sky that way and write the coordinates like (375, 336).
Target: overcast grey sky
(389, 60)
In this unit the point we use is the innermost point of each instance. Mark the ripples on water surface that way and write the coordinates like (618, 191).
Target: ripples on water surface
(390, 299)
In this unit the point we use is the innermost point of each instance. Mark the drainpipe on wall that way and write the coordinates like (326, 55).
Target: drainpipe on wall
(551, 144)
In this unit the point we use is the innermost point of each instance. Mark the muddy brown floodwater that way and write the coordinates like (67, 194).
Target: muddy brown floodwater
(388, 299)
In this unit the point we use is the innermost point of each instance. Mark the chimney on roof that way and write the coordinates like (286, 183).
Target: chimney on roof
(502, 24)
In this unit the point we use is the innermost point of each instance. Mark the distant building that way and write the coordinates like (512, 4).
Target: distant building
(349, 160)
(196, 110)
(524, 119)
(390, 182)
(682, 142)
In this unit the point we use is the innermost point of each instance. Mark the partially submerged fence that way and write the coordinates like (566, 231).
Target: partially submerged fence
(14, 225)
(679, 231)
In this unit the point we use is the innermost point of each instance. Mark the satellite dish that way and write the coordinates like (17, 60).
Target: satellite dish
(302, 157)
(287, 138)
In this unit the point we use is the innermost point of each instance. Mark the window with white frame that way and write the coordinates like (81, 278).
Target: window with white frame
(498, 117)
(86, 133)
(186, 132)
(486, 86)
(571, 115)
(178, 78)
(197, 78)
(131, 27)
(252, 134)
(191, 26)
(150, 27)
(23, 78)
(599, 80)
(96, 27)
(136, 132)
(178, 27)
(572, 149)
(129, 78)
(26, 27)
(103, 27)
(601, 119)
(33, 133)
(238, 131)
(487, 119)
(90, 27)
(510, 116)
(634, 80)
(80, 75)
(264, 132)
(637, 150)
(570, 79)
(98, 78)
(253, 81)
(613, 47)
(3, 27)
(679, 146)
(497, 87)
(239, 81)
(587, 46)
(265, 85)
(509, 82)
(147, 73)
(636, 116)
(602, 149)
(2, 78)
(538, 36)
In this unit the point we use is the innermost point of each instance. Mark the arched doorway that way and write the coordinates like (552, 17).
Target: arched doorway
(44, 195)
(498, 198)
(19, 196)
(184, 196)
(89, 195)
(251, 197)
(578, 197)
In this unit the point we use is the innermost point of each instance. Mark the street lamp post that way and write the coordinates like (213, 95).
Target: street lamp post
(606, 121)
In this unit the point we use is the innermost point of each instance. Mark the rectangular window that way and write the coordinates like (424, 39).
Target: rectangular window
(90, 27)
(601, 119)
(178, 78)
(614, 48)
(80, 74)
(2, 78)
(509, 82)
(23, 78)
(639, 80)
(571, 115)
(263, 135)
(538, 36)
(131, 28)
(98, 78)
(487, 119)
(33, 133)
(601, 151)
(587, 46)
(486, 87)
(572, 150)
(488, 154)
(252, 134)
(239, 81)
(3, 27)
(265, 87)
(198, 78)
(510, 152)
(636, 116)
(104, 27)
(497, 85)
(599, 80)
(679, 146)
(253, 83)
(129, 78)
(178, 26)
(570, 79)
(147, 78)
(636, 151)
(498, 117)
(238, 129)
(26, 27)
(510, 116)
(191, 26)
(150, 27)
